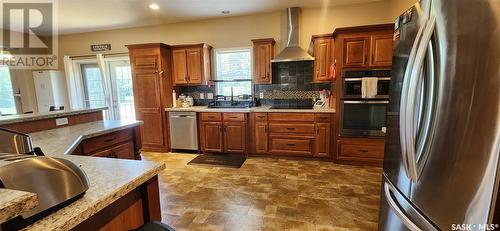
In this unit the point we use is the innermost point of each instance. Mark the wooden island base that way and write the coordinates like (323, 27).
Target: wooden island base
(139, 206)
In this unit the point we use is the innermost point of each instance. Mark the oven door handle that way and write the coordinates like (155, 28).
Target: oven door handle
(366, 102)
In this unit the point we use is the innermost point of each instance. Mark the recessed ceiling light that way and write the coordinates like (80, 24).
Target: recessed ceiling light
(154, 6)
(225, 11)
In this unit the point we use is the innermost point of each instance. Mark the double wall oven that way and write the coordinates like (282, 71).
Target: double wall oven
(364, 117)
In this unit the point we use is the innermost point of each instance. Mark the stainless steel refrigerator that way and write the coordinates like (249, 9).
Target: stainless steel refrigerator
(443, 120)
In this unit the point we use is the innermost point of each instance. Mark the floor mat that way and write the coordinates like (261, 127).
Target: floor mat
(223, 160)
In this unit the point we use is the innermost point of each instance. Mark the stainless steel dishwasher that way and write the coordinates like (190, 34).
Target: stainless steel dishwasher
(183, 131)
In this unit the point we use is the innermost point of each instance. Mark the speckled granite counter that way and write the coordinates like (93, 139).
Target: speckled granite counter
(110, 179)
(13, 203)
(252, 109)
(62, 141)
(11, 119)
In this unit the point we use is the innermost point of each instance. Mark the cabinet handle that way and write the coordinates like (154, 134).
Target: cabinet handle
(317, 131)
(362, 150)
(225, 128)
(373, 59)
(265, 129)
(291, 129)
(260, 117)
(109, 140)
(366, 60)
(233, 117)
(290, 145)
(323, 117)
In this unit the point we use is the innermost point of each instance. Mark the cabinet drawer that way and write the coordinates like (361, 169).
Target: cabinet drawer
(211, 116)
(260, 116)
(361, 151)
(306, 129)
(291, 145)
(145, 61)
(291, 117)
(322, 118)
(104, 141)
(233, 117)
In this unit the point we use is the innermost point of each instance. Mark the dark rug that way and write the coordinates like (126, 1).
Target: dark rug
(222, 160)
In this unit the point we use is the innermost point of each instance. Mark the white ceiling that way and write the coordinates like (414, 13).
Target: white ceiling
(94, 15)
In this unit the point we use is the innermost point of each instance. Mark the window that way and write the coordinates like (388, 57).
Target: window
(7, 102)
(92, 81)
(233, 64)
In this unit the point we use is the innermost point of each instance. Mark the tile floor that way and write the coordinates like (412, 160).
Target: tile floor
(267, 194)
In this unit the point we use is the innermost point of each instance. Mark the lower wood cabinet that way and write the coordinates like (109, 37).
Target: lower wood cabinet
(120, 144)
(294, 134)
(360, 151)
(223, 132)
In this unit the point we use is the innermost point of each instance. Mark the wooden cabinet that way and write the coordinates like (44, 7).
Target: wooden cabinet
(211, 136)
(223, 132)
(120, 144)
(356, 51)
(263, 52)
(151, 76)
(191, 64)
(295, 134)
(360, 151)
(381, 50)
(366, 46)
(323, 57)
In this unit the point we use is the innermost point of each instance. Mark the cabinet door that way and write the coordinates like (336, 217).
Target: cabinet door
(211, 137)
(194, 65)
(356, 51)
(261, 137)
(322, 59)
(322, 140)
(234, 137)
(124, 151)
(381, 50)
(179, 66)
(148, 107)
(262, 63)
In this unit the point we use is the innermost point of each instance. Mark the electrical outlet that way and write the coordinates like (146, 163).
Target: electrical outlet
(202, 95)
(261, 95)
(210, 95)
(61, 121)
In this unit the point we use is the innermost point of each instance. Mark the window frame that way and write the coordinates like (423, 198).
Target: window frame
(229, 50)
(16, 109)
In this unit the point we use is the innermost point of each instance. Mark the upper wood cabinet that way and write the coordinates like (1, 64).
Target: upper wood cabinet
(366, 46)
(191, 64)
(323, 57)
(381, 49)
(151, 77)
(263, 52)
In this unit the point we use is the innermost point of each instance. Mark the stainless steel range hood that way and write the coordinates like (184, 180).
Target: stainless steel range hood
(292, 51)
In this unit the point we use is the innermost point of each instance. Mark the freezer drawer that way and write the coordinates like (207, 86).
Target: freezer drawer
(397, 213)
(183, 130)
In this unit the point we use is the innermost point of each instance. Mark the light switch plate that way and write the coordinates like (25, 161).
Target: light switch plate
(202, 95)
(61, 121)
(261, 95)
(210, 95)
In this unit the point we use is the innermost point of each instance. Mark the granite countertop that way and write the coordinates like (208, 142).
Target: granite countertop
(12, 119)
(13, 203)
(252, 109)
(106, 185)
(62, 141)
(110, 179)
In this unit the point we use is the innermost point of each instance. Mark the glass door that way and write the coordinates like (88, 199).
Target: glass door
(122, 94)
(7, 102)
(93, 85)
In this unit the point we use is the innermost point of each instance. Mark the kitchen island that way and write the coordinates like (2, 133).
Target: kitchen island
(122, 195)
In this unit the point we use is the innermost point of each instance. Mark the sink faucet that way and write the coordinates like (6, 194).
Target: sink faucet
(232, 99)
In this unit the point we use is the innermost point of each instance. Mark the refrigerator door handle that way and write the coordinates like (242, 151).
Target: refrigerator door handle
(415, 79)
(404, 94)
(389, 189)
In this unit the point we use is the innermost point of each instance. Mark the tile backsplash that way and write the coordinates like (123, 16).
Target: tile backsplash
(292, 84)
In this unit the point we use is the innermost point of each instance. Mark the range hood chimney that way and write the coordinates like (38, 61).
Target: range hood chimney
(292, 51)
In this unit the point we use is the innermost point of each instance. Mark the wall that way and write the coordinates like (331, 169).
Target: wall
(231, 31)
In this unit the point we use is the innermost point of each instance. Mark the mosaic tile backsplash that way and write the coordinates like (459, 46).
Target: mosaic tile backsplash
(292, 84)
